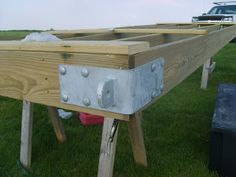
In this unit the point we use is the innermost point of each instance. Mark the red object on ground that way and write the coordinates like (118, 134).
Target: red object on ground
(89, 119)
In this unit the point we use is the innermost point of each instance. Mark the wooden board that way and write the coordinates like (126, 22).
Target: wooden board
(163, 31)
(107, 47)
(26, 134)
(185, 56)
(33, 75)
(107, 150)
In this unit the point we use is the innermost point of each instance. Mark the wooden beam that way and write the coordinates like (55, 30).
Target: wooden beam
(57, 124)
(26, 134)
(137, 141)
(96, 37)
(157, 39)
(81, 31)
(183, 57)
(108, 150)
(34, 76)
(199, 23)
(78, 33)
(211, 27)
(115, 47)
(163, 31)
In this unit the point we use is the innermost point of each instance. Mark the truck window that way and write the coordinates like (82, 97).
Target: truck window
(223, 10)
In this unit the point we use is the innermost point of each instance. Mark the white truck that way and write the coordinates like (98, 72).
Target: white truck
(221, 12)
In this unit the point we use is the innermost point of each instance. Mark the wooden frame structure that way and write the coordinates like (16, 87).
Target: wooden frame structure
(29, 71)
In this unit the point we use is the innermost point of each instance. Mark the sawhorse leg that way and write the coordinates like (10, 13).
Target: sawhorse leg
(26, 131)
(208, 68)
(137, 140)
(26, 134)
(57, 124)
(109, 141)
(108, 148)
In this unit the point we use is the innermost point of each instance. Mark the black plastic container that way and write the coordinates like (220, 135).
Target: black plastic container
(223, 132)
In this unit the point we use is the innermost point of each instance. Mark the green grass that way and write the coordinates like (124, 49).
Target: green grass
(176, 131)
(14, 35)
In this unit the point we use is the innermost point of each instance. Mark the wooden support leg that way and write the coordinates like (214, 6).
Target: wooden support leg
(205, 74)
(108, 149)
(57, 124)
(26, 133)
(137, 141)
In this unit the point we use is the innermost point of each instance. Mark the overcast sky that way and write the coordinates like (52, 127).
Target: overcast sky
(75, 14)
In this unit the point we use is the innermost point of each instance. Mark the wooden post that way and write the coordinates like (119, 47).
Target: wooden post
(108, 149)
(26, 134)
(208, 68)
(205, 74)
(137, 141)
(57, 124)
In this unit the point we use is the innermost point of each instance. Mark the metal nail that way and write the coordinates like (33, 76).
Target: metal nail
(153, 67)
(62, 70)
(85, 72)
(64, 97)
(86, 101)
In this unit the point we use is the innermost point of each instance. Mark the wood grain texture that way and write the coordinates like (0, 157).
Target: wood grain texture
(185, 56)
(57, 124)
(163, 31)
(205, 74)
(107, 47)
(157, 39)
(137, 140)
(198, 23)
(34, 76)
(26, 134)
(108, 150)
(81, 31)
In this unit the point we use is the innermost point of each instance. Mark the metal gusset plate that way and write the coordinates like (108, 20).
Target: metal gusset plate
(112, 90)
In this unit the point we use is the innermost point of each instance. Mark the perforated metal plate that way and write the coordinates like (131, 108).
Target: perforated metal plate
(112, 90)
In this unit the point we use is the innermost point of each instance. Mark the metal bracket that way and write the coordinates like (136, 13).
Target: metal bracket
(112, 90)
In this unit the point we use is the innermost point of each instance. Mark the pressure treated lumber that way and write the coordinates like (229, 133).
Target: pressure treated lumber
(185, 56)
(115, 47)
(78, 33)
(205, 74)
(34, 76)
(26, 134)
(163, 31)
(137, 140)
(81, 31)
(57, 124)
(207, 69)
(108, 150)
(199, 23)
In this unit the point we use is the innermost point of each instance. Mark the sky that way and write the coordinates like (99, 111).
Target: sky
(82, 14)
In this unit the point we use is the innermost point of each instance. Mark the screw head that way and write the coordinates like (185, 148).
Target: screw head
(154, 94)
(153, 67)
(162, 87)
(64, 97)
(85, 72)
(162, 64)
(86, 101)
(62, 70)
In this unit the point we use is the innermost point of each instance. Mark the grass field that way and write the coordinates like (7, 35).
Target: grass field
(13, 34)
(176, 131)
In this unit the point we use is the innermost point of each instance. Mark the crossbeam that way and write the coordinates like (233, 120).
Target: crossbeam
(163, 31)
(29, 71)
